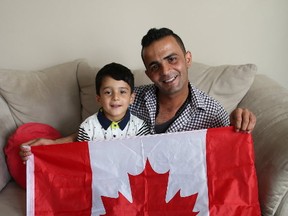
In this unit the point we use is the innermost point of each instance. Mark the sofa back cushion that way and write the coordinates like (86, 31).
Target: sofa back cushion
(49, 96)
(7, 126)
(86, 78)
(226, 83)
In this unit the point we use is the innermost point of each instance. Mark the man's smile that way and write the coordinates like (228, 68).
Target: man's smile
(170, 79)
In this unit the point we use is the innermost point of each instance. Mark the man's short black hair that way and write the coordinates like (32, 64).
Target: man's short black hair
(155, 34)
(115, 71)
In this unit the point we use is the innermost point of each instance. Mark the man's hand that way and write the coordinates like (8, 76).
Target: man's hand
(243, 120)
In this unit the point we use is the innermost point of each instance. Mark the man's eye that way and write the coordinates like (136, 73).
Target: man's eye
(172, 59)
(123, 92)
(154, 67)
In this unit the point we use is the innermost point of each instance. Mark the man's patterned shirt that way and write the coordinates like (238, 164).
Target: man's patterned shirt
(202, 111)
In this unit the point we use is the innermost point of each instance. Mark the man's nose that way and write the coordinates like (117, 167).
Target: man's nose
(165, 68)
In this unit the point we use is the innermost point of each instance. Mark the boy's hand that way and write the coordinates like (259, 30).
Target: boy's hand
(25, 148)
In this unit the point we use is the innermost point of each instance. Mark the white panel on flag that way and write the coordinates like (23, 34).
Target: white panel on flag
(182, 154)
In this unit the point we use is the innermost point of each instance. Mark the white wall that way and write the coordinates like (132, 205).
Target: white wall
(38, 33)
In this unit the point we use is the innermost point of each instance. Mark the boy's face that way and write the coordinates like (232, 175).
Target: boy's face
(115, 98)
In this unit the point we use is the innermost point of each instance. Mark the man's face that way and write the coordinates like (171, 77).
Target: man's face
(167, 65)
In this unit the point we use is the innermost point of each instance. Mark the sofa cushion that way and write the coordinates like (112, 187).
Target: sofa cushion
(7, 126)
(48, 96)
(86, 78)
(13, 200)
(226, 83)
(269, 102)
(25, 133)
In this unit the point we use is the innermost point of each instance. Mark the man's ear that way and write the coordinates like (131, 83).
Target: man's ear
(188, 58)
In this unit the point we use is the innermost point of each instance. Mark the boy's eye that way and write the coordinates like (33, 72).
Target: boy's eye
(107, 92)
(123, 91)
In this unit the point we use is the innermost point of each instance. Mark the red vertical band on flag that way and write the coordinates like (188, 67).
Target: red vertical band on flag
(232, 180)
(63, 183)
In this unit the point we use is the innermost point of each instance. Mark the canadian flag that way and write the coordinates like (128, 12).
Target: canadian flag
(205, 172)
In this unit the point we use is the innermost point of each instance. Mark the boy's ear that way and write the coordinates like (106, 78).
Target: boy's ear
(98, 98)
(132, 97)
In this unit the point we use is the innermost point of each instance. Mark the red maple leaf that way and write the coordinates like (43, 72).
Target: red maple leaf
(149, 192)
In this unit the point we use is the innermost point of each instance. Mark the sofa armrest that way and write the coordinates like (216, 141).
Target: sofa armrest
(269, 102)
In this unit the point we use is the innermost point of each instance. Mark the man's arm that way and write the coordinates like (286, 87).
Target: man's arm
(25, 148)
(243, 120)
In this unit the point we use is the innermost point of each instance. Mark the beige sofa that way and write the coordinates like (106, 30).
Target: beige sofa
(63, 95)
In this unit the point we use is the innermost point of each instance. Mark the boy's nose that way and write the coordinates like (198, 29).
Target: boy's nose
(115, 97)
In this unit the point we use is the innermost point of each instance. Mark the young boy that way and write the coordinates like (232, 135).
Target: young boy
(115, 92)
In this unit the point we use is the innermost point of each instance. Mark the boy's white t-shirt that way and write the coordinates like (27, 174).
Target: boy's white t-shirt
(98, 127)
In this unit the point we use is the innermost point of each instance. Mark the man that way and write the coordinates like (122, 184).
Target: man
(171, 104)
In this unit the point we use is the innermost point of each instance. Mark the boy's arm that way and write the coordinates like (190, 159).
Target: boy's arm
(25, 150)
(143, 130)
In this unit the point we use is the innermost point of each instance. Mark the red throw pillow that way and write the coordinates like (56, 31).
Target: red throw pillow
(24, 133)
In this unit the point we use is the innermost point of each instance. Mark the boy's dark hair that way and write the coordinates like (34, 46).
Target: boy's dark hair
(156, 34)
(115, 71)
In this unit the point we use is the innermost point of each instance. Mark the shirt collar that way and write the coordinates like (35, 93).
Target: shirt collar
(105, 122)
(196, 98)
